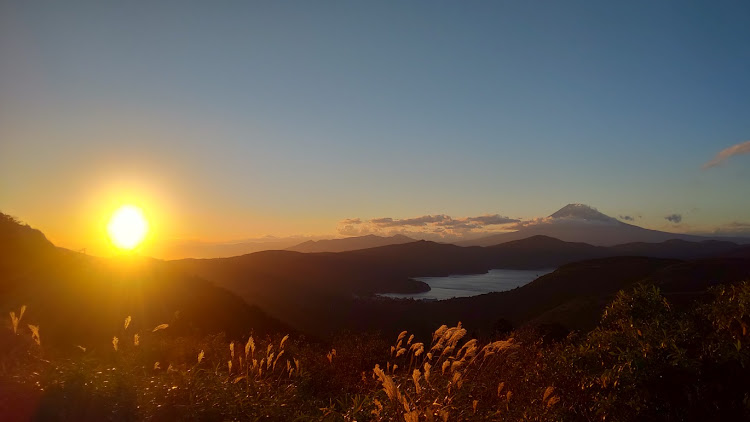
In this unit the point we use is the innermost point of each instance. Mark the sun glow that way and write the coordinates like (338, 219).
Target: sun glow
(128, 227)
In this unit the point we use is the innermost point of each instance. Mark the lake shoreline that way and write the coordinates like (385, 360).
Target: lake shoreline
(467, 285)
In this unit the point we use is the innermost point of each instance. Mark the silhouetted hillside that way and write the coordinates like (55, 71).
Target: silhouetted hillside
(18, 241)
(741, 252)
(295, 286)
(699, 275)
(91, 296)
(677, 249)
(585, 287)
(572, 297)
(349, 243)
(542, 252)
(306, 290)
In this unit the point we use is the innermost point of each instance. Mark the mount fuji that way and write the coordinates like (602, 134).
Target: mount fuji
(582, 223)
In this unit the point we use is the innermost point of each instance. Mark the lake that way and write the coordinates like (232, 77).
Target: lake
(472, 285)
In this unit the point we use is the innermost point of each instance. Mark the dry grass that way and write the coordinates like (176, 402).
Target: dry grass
(611, 373)
(408, 381)
(413, 391)
(15, 320)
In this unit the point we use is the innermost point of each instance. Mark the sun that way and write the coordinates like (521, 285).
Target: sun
(127, 227)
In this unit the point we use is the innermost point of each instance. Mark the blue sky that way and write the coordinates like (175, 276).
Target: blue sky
(238, 119)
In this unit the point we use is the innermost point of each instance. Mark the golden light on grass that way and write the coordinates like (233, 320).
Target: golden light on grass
(127, 227)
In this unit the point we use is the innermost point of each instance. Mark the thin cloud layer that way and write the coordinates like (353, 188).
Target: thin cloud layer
(440, 225)
(627, 218)
(723, 155)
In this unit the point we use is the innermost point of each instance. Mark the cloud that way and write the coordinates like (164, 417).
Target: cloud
(442, 220)
(417, 221)
(351, 221)
(674, 218)
(627, 218)
(352, 227)
(741, 148)
(492, 219)
(529, 223)
(440, 224)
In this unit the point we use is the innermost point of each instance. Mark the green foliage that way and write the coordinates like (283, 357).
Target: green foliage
(647, 361)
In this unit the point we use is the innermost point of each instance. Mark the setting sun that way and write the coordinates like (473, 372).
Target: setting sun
(128, 227)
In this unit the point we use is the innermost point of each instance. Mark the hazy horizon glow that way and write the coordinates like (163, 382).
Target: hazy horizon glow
(240, 120)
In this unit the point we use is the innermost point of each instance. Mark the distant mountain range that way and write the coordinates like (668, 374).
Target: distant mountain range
(321, 293)
(582, 223)
(571, 223)
(349, 243)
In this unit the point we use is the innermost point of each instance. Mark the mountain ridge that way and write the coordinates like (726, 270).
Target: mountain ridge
(349, 243)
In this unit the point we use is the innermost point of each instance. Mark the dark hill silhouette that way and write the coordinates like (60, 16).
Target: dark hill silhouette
(678, 249)
(79, 299)
(349, 243)
(741, 252)
(582, 223)
(542, 252)
(19, 241)
(422, 258)
(294, 286)
(591, 282)
(572, 297)
(698, 275)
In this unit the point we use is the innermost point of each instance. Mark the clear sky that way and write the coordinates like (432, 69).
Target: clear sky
(231, 120)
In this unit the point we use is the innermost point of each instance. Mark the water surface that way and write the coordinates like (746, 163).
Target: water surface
(472, 285)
